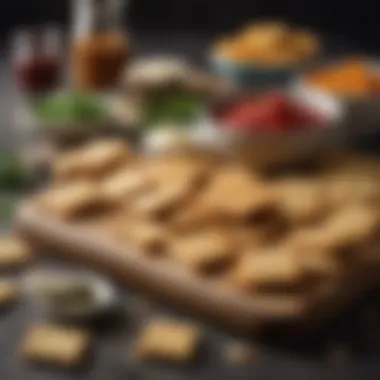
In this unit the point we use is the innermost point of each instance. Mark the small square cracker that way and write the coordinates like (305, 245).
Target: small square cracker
(124, 184)
(9, 293)
(71, 200)
(92, 160)
(235, 192)
(57, 345)
(166, 340)
(14, 252)
(204, 251)
(271, 268)
(147, 236)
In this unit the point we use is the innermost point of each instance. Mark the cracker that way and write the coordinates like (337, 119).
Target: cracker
(235, 192)
(169, 341)
(194, 215)
(232, 194)
(314, 256)
(340, 236)
(146, 236)
(204, 251)
(159, 203)
(320, 264)
(165, 169)
(92, 160)
(56, 345)
(71, 200)
(302, 201)
(346, 190)
(266, 269)
(350, 228)
(259, 235)
(14, 252)
(9, 293)
(125, 184)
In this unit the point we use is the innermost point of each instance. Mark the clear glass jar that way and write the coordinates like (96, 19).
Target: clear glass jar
(100, 46)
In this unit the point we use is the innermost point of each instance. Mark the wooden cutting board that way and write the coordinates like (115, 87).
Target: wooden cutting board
(210, 297)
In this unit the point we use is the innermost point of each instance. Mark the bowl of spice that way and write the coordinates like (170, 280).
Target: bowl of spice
(354, 82)
(267, 53)
(70, 295)
(71, 117)
(276, 116)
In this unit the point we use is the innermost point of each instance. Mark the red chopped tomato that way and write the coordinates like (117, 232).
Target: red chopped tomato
(272, 113)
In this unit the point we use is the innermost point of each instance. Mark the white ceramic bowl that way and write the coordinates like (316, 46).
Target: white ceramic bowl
(102, 292)
(331, 132)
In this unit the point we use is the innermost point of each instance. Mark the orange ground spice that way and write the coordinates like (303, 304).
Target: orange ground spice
(352, 78)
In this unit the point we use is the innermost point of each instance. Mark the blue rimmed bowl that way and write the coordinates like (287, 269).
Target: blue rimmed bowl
(255, 76)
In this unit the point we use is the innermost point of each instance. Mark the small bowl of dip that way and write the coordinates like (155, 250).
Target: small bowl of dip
(70, 295)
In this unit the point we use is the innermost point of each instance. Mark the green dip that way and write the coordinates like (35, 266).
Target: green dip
(70, 108)
(13, 172)
(178, 108)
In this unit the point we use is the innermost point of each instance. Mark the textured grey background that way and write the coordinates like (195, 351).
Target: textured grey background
(290, 359)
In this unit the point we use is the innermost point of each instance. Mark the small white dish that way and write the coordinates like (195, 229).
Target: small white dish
(45, 287)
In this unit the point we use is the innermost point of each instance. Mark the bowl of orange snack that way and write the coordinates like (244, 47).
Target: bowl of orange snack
(353, 78)
(265, 53)
(354, 82)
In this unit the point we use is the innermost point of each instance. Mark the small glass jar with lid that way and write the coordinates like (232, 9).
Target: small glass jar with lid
(100, 46)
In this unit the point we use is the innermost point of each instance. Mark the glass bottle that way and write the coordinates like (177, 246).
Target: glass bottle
(100, 48)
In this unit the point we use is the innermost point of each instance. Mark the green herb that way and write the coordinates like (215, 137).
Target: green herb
(69, 108)
(13, 173)
(178, 109)
(73, 297)
(7, 207)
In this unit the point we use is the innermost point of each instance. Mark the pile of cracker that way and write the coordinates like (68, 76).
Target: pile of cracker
(260, 232)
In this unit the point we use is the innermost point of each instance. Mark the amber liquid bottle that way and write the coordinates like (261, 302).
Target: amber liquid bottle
(100, 46)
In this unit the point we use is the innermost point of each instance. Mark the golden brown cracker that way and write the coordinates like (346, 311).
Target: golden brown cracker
(147, 236)
(351, 227)
(125, 184)
(9, 293)
(204, 250)
(169, 341)
(57, 345)
(268, 268)
(344, 191)
(14, 252)
(71, 200)
(165, 199)
(302, 201)
(235, 192)
(93, 160)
